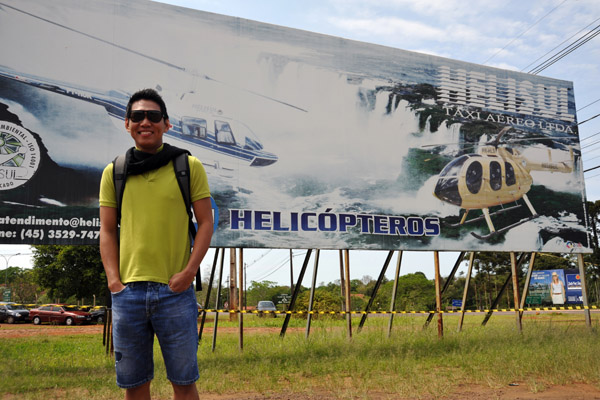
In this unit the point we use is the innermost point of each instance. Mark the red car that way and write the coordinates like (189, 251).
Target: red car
(59, 314)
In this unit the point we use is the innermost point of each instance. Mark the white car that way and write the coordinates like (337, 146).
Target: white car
(267, 306)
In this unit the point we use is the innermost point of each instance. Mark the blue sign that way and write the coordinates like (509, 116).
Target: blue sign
(574, 292)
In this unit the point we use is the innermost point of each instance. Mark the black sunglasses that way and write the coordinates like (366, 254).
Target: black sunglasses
(152, 115)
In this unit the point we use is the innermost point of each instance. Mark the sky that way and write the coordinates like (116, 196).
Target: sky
(511, 34)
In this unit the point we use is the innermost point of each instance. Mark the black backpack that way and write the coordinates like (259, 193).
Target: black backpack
(181, 167)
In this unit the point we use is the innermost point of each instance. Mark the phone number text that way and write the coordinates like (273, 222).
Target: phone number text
(58, 234)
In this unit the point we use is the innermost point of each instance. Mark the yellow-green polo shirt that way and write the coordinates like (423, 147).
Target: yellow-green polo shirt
(154, 239)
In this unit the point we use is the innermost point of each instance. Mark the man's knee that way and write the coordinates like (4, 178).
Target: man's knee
(141, 392)
(185, 392)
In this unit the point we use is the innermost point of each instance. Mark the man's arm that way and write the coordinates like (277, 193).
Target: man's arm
(109, 247)
(203, 212)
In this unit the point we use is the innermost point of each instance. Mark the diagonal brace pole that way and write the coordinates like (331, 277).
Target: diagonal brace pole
(376, 289)
(295, 294)
(447, 283)
(501, 293)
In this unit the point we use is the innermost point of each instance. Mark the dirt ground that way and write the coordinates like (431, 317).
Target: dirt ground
(514, 391)
(25, 330)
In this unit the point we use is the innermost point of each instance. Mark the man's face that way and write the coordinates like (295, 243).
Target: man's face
(147, 134)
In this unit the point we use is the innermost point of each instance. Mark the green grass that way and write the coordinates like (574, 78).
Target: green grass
(552, 349)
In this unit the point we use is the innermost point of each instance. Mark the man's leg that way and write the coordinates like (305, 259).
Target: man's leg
(175, 322)
(141, 392)
(185, 392)
(133, 338)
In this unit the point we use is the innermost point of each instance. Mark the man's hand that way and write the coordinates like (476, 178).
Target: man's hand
(116, 287)
(181, 281)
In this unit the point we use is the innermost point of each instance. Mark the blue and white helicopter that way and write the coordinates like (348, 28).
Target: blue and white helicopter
(223, 144)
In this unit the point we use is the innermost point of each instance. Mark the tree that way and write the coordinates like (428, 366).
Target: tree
(22, 283)
(415, 292)
(325, 300)
(551, 261)
(266, 290)
(592, 261)
(67, 271)
(25, 289)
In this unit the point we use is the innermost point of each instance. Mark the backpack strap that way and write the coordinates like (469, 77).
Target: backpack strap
(119, 179)
(182, 173)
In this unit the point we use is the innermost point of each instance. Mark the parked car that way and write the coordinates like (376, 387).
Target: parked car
(12, 313)
(266, 305)
(59, 314)
(98, 314)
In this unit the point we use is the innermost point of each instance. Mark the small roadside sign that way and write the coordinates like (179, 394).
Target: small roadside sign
(456, 303)
(284, 298)
(7, 295)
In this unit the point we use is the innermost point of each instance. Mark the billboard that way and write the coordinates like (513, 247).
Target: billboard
(555, 287)
(309, 141)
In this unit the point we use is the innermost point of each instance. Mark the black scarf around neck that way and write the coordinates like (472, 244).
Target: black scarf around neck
(139, 162)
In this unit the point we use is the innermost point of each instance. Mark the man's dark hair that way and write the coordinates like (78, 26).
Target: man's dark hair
(147, 94)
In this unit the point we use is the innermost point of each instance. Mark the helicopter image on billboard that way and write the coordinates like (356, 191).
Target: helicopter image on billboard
(493, 176)
(221, 142)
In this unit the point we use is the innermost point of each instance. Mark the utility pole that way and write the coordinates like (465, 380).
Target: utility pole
(233, 295)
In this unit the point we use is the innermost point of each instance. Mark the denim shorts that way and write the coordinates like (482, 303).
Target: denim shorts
(142, 310)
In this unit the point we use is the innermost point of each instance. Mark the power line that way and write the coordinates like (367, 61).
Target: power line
(590, 150)
(282, 263)
(591, 169)
(524, 32)
(566, 51)
(591, 144)
(560, 44)
(593, 158)
(259, 258)
(591, 136)
(272, 272)
(589, 119)
(586, 106)
(593, 176)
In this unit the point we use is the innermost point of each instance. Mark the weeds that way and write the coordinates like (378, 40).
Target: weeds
(413, 362)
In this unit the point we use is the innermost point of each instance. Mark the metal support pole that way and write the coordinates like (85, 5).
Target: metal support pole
(241, 296)
(208, 290)
(233, 301)
(438, 294)
(515, 281)
(526, 285)
(394, 292)
(375, 289)
(312, 293)
(108, 325)
(502, 290)
(464, 298)
(214, 342)
(588, 316)
(291, 272)
(295, 293)
(342, 280)
(448, 281)
(348, 303)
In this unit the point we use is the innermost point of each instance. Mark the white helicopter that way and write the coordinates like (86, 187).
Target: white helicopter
(219, 141)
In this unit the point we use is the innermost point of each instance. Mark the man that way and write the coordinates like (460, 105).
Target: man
(148, 263)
